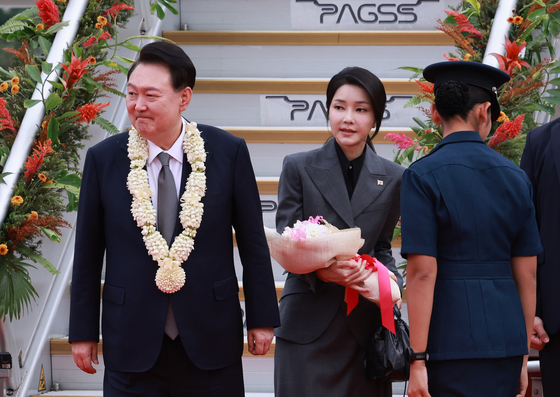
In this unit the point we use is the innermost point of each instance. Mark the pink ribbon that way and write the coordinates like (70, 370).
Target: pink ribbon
(351, 296)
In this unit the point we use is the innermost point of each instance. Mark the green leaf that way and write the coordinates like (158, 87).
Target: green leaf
(52, 101)
(53, 130)
(4, 174)
(160, 12)
(46, 67)
(131, 46)
(420, 122)
(544, 108)
(67, 115)
(34, 73)
(536, 14)
(57, 85)
(114, 92)
(52, 235)
(475, 5)
(124, 70)
(72, 202)
(106, 125)
(169, 6)
(29, 103)
(552, 99)
(396, 232)
(37, 258)
(72, 180)
(16, 290)
(128, 61)
(46, 47)
(5, 73)
(555, 81)
(13, 26)
(56, 27)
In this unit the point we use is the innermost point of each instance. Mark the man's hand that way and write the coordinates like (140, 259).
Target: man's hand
(84, 353)
(259, 340)
(539, 337)
(348, 273)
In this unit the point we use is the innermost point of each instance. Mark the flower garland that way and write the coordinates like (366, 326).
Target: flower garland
(170, 276)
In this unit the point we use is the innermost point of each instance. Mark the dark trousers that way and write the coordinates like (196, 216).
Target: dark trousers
(496, 377)
(550, 366)
(174, 375)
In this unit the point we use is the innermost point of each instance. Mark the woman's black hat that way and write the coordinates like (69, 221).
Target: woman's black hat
(472, 73)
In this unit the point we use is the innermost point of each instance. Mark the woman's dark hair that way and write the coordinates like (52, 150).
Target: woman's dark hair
(180, 66)
(366, 80)
(454, 98)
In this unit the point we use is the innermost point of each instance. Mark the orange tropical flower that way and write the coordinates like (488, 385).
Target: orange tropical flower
(90, 111)
(464, 24)
(35, 161)
(510, 20)
(33, 215)
(508, 130)
(74, 71)
(15, 80)
(48, 11)
(6, 121)
(511, 61)
(15, 89)
(40, 26)
(102, 20)
(42, 177)
(98, 25)
(3, 249)
(92, 60)
(518, 20)
(17, 200)
(467, 57)
(4, 86)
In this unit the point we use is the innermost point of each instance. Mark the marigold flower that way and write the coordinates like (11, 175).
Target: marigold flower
(4, 86)
(15, 89)
(40, 26)
(98, 25)
(17, 200)
(89, 41)
(15, 80)
(467, 57)
(61, 1)
(518, 20)
(48, 11)
(33, 215)
(503, 117)
(92, 60)
(102, 20)
(510, 20)
(89, 111)
(42, 177)
(3, 249)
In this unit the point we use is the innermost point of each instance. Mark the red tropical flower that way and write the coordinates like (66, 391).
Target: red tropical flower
(508, 130)
(464, 24)
(74, 71)
(511, 61)
(402, 141)
(90, 41)
(48, 11)
(116, 8)
(451, 58)
(6, 121)
(90, 111)
(104, 36)
(35, 161)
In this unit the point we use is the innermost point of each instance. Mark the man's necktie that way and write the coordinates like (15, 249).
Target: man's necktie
(166, 218)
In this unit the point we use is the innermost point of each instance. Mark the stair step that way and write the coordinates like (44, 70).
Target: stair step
(310, 38)
(288, 86)
(60, 346)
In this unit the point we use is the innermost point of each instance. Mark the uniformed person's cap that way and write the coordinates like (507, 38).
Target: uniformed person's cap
(472, 73)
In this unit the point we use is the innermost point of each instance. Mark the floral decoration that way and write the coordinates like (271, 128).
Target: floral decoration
(533, 25)
(170, 276)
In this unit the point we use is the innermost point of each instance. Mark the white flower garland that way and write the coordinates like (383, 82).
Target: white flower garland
(170, 276)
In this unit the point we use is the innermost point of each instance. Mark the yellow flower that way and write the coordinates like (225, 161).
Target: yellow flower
(4, 86)
(15, 80)
(33, 215)
(3, 249)
(15, 89)
(518, 20)
(42, 177)
(102, 20)
(99, 26)
(61, 1)
(503, 117)
(92, 60)
(40, 26)
(17, 200)
(510, 20)
(467, 57)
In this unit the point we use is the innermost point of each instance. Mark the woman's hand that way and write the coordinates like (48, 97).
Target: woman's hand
(346, 273)
(418, 382)
(524, 379)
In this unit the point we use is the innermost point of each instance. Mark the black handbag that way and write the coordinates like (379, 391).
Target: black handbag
(387, 356)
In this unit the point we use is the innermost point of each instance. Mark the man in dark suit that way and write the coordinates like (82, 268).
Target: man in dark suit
(199, 353)
(541, 162)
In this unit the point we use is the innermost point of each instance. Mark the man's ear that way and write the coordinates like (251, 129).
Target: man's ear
(186, 96)
(436, 117)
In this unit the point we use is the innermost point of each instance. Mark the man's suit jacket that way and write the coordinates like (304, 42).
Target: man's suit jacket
(312, 184)
(207, 309)
(541, 162)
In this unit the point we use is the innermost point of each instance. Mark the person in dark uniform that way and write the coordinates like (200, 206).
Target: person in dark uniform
(471, 239)
(320, 350)
(541, 162)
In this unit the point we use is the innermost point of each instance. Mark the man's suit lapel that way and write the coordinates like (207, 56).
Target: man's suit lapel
(372, 181)
(555, 142)
(326, 174)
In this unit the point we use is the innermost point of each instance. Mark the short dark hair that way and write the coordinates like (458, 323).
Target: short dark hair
(371, 84)
(180, 66)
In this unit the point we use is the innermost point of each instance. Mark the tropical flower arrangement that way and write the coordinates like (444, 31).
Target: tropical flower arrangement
(533, 25)
(49, 182)
(170, 276)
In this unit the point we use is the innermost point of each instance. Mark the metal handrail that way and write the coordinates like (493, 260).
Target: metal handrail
(499, 32)
(34, 116)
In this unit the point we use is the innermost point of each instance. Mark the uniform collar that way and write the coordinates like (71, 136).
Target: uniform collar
(459, 136)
